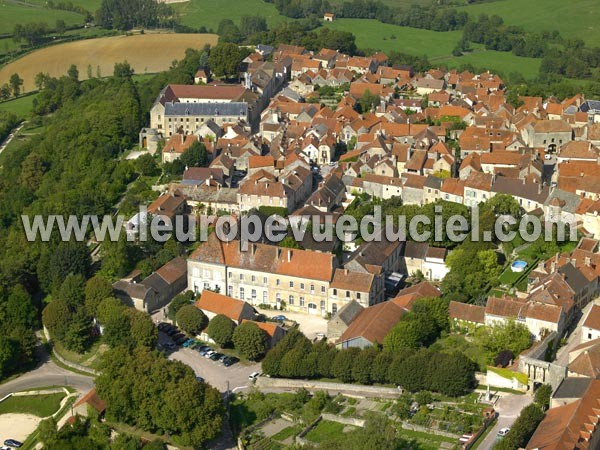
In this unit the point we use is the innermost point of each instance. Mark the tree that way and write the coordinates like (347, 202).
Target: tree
(342, 365)
(413, 331)
(4, 92)
(108, 309)
(96, 290)
(15, 82)
(77, 336)
(73, 72)
(504, 204)
(250, 341)
(221, 329)
(55, 317)
(143, 388)
(123, 70)
(191, 320)
(543, 395)
(146, 165)
(195, 156)
(60, 27)
(8, 355)
(178, 302)
(510, 335)
(72, 291)
(225, 60)
(228, 31)
(32, 172)
(142, 329)
(363, 365)
(250, 25)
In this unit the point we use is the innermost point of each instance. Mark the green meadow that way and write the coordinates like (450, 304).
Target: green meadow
(208, 13)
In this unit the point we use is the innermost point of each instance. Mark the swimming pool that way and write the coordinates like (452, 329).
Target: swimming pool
(518, 266)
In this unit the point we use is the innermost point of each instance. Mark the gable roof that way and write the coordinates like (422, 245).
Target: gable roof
(374, 323)
(222, 304)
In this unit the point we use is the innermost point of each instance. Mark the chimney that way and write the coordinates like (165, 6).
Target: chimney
(346, 271)
(289, 255)
(588, 261)
(553, 267)
(278, 252)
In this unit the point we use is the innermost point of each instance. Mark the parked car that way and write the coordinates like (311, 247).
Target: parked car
(189, 343)
(204, 350)
(209, 353)
(253, 376)
(279, 318)
(13, 443)
(229, 361)
(216, 356)
(200, 379)
(503, 432)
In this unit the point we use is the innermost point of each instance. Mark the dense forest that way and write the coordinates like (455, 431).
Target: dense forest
(72, 166)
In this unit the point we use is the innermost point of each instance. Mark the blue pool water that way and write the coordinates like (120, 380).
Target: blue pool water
(518, 266)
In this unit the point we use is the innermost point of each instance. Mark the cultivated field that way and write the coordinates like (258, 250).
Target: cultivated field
(208, 13)
(147, 53)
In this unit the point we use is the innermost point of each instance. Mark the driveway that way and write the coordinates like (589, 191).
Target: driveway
(310, 325)
(508, 407)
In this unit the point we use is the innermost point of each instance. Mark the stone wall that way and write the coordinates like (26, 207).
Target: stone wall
(332, 388)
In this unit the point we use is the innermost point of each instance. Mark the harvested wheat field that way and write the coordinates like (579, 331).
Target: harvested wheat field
(146, 53)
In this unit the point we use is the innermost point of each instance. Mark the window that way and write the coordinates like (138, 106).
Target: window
(322, 289)
(253, 294)
(230, 274)
(291, 284)
(589, 335)
(265, 281)
(322, 305)
(241, 276)
(278, 282)
(230, 291)
(291, 300)
(253, 278)
(312, 288)
(358, 295)
(206, 285)
(347, 294)
(335, 292)
(241, 293)
(264, 296)
(302, 286)
(333, 308)
(301, 301)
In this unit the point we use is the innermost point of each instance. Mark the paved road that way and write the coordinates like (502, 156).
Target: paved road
(508, 408)
(11, 136)
(47, 373)
(574, 339)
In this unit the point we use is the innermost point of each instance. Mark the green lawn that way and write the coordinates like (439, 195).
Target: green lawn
(325, 431)
(12, 13)
(286, 433)
(38, 405)
(426, 441)
(20, 106)
(208, 13)
(579, 19)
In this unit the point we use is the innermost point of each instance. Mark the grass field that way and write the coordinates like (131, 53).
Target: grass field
(373, 34)
(579, 19)
(208, 13)
(504, 62)
(436, 45)
(105, 52)
(12, 12)
(20, 106)
(325, 430)
(37, 405)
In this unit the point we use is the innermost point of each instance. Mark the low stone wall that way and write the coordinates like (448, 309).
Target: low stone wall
(413, 427)
(332, 388)
(345, 420)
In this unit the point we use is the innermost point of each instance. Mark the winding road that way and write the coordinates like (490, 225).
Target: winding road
(47, 373)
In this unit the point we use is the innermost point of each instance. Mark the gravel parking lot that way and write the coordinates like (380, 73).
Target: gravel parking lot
(214, 372)
(310, 325)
